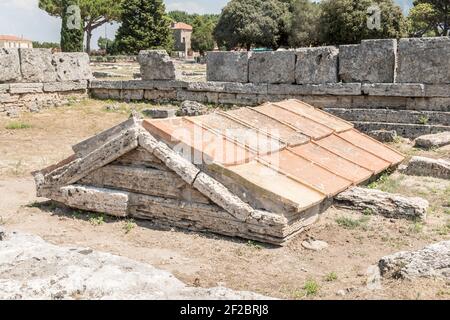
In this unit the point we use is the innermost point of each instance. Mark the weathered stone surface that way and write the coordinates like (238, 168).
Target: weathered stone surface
(9, 65)
(346, 89)
(72, 66)
(433, 140)
(19, 88)
(160, 96)
(383, 203)
(314, 245)
(204, 97)
(97, 84)
(156, 65)
(383, 135)
(192, 108)
(159, 113)
(405, 130)
(373, 61)
(317, 65)
(154, 84)
(132, 95)
(422, 166)
(81, 273)
(65, 86)
(424, 60)
(37, 65)
(429, 262)
(100, 200)
(437, 90)
(227, 66)
(4, 88)
(272, 67)
(8, 98)
(394, 89)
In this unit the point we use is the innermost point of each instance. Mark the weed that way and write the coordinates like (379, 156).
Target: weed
(96, 220)
(423, 120)
(17, 125)
(415, 228)
(349, 223)
(254, 245)
(330, 277)
(368, 212)
(311, 288)
(129, 225)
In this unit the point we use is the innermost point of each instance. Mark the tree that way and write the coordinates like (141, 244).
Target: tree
(182, 16)
(202, 36)
(71, 29)
(247, 23)
(304, 30)
(46, 45)
(94, 13)
(145, 25)
(430, 18)
(346, 21)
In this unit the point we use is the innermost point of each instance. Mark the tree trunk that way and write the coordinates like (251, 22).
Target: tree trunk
(88, 40)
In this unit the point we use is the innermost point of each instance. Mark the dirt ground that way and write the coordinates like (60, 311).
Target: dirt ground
(356, 241)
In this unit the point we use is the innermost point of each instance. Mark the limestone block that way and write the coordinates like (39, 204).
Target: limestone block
(345, 89)
(204, 97)
(156, 65)
(228, 87)
(383, 203)
(394, 89)
(4, 88)
(373, 61)
(9, 65)
(98, 84)
(159, 113)
(437, 90)
(154, 84)
(422, 166)
(65, 86)
(433, 140)
(37, 65)
(424, 60)
(94, 199)
(317, 65)
(272, 67)
(72, 66)
(17, 88)
(227, 66)
(130, 95)
(160, 95)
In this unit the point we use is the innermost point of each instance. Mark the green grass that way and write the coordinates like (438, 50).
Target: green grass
(96, 220)
(415, 228)
(311, 288)
(350, 223)
(254, 245)
(330, 277)
(129, 225)
(424, 120)
(387, 183)
(17, 125)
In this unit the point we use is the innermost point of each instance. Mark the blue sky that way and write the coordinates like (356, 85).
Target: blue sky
(24, 18)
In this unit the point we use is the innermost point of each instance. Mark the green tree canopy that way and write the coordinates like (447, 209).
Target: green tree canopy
(430, 18)
(304, 30)
(145, 25)
(345, 21)
(71, 29)
(247, 23)
(94, 13)
(202, 36)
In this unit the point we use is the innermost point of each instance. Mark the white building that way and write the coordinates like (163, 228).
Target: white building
(8, 42)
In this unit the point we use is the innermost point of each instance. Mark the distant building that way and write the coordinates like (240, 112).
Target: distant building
(182, 33)
(8, 42)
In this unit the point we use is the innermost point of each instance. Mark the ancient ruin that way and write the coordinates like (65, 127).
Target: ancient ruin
(260, 173)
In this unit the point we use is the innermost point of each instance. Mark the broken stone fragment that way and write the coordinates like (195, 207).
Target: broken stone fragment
(431, 261)
(433, 140)
(422, 166)
(383, 203)
(314, 245)
(383, 135)
(192, 108)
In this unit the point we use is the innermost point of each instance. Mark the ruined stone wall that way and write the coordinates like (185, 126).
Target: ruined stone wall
(31, 79)
(399, 85)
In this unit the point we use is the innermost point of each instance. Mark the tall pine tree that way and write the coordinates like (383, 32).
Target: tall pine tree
(72, 34)
(145, 25)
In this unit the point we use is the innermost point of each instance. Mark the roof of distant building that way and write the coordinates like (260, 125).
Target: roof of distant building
(182, 26)
(12, 38)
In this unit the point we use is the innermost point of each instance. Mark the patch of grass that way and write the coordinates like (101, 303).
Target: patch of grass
(415, 228)
(368, 212)
(17, 125)
(97, 220)
(423, 120)
(330, 277)
(311, 288)
(350, 223)
(387, 183)
(129, 225)
(254, 245)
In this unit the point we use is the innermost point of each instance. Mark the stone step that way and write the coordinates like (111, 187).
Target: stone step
(405, 130)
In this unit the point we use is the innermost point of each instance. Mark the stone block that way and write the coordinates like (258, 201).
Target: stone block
(227, 66)
(18, 88)
(129, 95)
(37, 65)
(65, 86)
(437, 90)
(346, 89)
(317, 65)
(8, 98)
(394, 89)
(158, 95)
(159, 113)
(154, 84)
(228, 87)
(100, 84)
(424, 60)
(156, 65)
(9, 65)
(433, 140)
(427, 167)
(373, 61)
(4, 88)
(72, 66)
(272, 67)
(205, 97)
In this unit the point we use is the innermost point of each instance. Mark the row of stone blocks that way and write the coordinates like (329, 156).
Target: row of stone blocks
(411, 60)
(42, 66)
